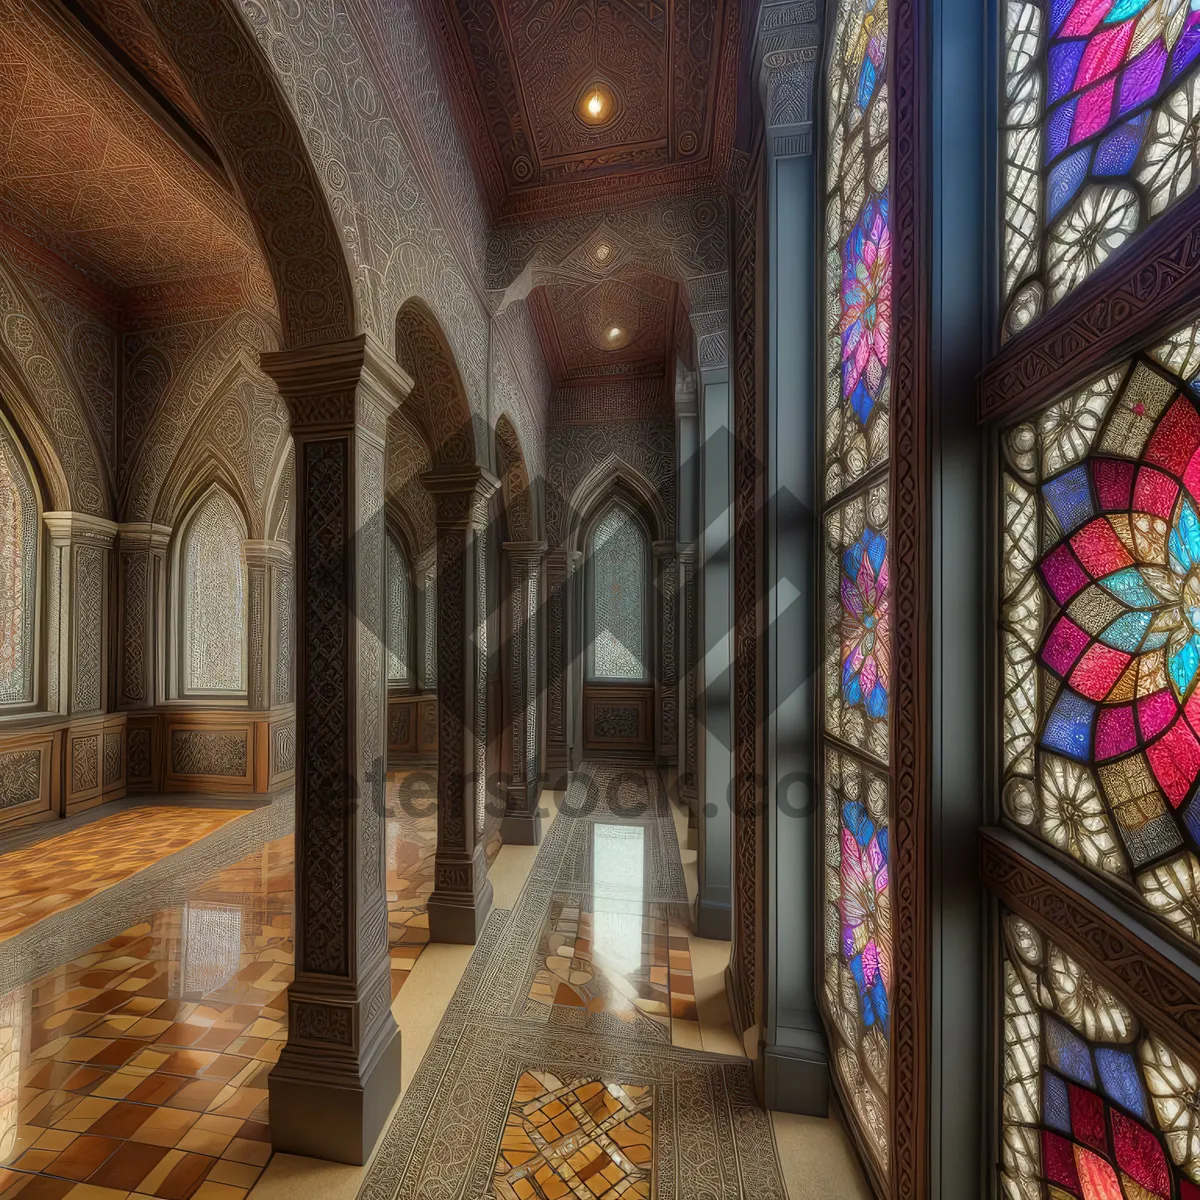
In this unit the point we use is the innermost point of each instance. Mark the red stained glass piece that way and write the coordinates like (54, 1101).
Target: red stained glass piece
(1098, 670)
(1058, 1161)
(1097, 1179)
(1188, 1190)
(1115, 733)
(1155, 493)
(1140, 1154)
(1099, 548)
(1087, 1117)
(1175, 761)
(1155, 713)
(1176, 438)
(1114, 483)
(1063, 574)
(1064, 645)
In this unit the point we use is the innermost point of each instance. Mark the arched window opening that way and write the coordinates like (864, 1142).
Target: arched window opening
(399, 614)
(213, 596)
(619, 600)
(18, 573)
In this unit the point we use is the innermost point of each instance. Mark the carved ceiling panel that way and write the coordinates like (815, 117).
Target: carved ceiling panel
(621, 325)
(85, 172)
(567, 98)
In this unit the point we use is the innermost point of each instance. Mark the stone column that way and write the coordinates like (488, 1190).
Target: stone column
(141, 602)
(340, 1070)
(426, 574)
(687, 530)
(666, 693)
(558, 651)
(77, 612)
(462, 893)
(522, 768)
(265, 562)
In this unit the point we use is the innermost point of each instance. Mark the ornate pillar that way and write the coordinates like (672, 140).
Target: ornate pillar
(265, 562)
(77, 666)
(141, 602)
(339, 1073)
(687, 529)
(426, 574)
(558, 654)
(666, 695)
(521, 767)
(462, 893)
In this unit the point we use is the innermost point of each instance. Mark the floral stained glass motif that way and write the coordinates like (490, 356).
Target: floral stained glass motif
(399, 613)
(1094, 1106)
(618, 565)
(858, 938)
(1101, 133)
(18, 559)
(858, 247)
(1101, 628)
(857, 623)
(214, 598)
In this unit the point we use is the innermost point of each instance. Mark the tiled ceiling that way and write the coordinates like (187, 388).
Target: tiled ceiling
(522, 72)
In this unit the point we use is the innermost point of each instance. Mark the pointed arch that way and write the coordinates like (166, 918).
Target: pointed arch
(613, 476)
(438, 401)
(520, 502)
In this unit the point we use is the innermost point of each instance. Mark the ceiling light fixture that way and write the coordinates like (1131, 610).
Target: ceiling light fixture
(603, 251)
(614, 333)
(596, 104)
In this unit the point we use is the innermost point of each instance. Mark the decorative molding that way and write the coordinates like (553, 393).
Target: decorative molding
(1109, 315)
(909, 521)
(209, 752)
(1166, 985)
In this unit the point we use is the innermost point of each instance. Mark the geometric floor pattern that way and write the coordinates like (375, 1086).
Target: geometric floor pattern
(553, 1075)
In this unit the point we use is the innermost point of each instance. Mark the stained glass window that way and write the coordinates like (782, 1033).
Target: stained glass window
(399, 613)
(858, 938)
(1101, 135)
(18, 564)
(214, 598)
(856, 627)
(1100, 627)
(1094, 1105)
(618, 566)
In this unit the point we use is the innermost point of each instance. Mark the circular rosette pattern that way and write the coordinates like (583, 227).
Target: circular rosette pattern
(1126, 577)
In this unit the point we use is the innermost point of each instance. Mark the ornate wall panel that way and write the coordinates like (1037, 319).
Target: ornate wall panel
(222, 753)
(29, 777)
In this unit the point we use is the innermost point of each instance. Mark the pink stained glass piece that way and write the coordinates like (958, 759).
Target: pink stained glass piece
(1155, 712)
(1099, 548)
(1105, 53)
(1064, 645)
(1114, 483)
(1191, 476)
(1176, 438)
(1115, 732)
(1063, 574)
(1097, 1179)
(1084, 17)
(1098, 670)
(1140, 1155)
(1175, 761)
(1093, 111)
(1058, 1161)
(1155, 493)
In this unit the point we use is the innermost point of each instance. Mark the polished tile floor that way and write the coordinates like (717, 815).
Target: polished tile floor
(139, 1068)
(61, 871)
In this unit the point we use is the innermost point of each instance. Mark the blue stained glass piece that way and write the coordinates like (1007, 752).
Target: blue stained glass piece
(1069, 726)
(1055, 1102)
(1184, 663)
(862, 402)
(1058, 129)
(1064, 64)
(1122, 10)
(1069, 1053)
(876, 702)
(866, 83)
(1119, 1075)
(1070, 498)
(1065, 178)
(855, 819)
(1058, 13)
(1191, 817)
(1154, 640)
(1117, 153)
(1186, 48)
(1130, 588)
(1126, 632)
(1185, 539)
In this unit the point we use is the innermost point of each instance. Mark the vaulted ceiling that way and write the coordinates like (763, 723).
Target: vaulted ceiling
(579, 104)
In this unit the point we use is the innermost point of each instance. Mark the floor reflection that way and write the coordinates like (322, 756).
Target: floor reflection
(140, 1068)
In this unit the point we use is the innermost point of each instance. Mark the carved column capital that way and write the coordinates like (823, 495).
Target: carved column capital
(339, 384)
(73, 527)
(457, 494)
(144, 535)
(786, 51)
(266, 553)
(525, 551)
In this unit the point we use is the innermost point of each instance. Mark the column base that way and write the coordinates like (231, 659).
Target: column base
(796, 1075)
(459, 919)
(333, 1117)
(522, 823)
(713, 921)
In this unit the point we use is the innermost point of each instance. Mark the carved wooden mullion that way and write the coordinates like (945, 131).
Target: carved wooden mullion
(264, 561)
(141, 581)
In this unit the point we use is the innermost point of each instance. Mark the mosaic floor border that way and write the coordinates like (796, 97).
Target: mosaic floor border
(66, 934)
(710, 1137)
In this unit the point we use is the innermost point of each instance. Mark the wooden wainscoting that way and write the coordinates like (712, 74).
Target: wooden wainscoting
(211, 751)
(618, 719)
(412, 730)
(94, 769)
